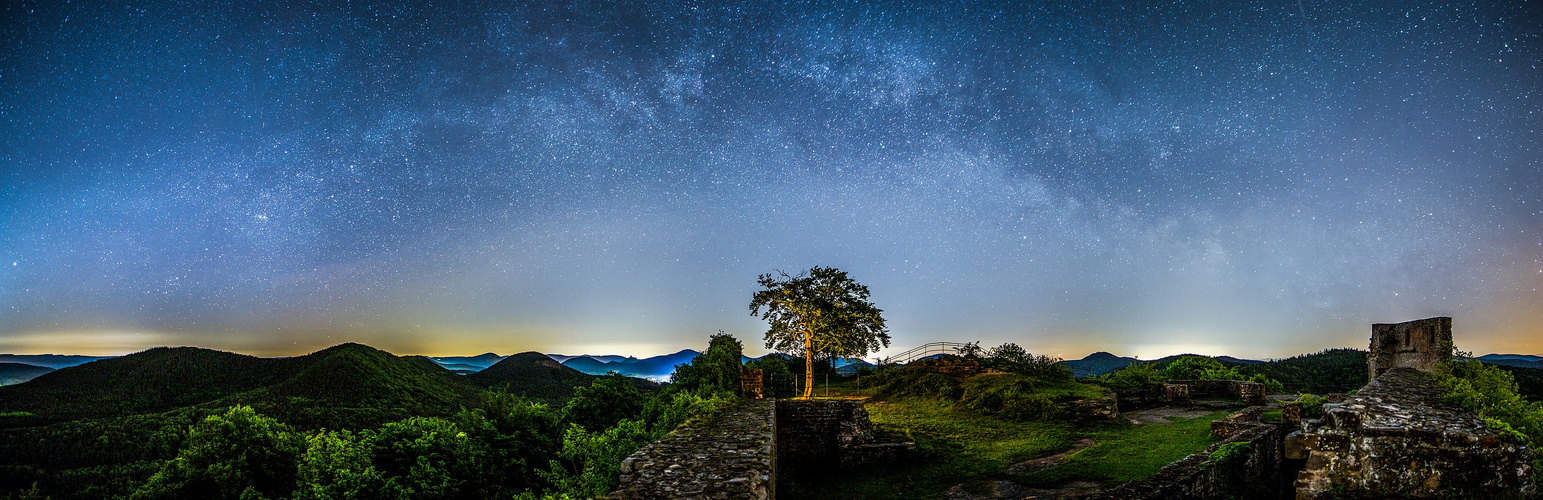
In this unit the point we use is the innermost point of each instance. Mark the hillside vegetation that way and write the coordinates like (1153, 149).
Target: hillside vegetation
(974, 416)
(349, 421)
(348, 385)
(1330, 370)
(16, 373)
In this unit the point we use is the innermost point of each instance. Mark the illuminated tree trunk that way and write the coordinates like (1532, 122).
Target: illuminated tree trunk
(808, 363)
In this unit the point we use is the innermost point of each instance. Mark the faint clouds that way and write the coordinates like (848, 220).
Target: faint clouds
(90, 343)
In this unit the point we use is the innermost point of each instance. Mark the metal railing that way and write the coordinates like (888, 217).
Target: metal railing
(924, 350)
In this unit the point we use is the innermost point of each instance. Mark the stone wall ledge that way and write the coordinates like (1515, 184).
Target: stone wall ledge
(1395, 438)
(731, 455)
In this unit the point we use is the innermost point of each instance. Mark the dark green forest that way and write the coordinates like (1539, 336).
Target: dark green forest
(350, 421)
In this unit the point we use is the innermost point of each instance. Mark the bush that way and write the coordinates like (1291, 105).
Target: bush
(429, 457)
(1192, 368)
(716, 370)
(520, 436)
(606, 401)
(1133, 377)
(1030, 407)
(668, 411)
(337, 464)
(914, 382)
(1271, 386)
(1230, 466)
(777, 379)
(1011, 358)
(1312, 405)
(1220, 374)
(237, 454)
(1013, 397)
(591, 462)
(1491, 392)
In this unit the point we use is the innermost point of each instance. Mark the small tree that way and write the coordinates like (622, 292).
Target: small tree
(237, 454)
(607, 400)
(716, 371)
(821, 311)
(1191, 367)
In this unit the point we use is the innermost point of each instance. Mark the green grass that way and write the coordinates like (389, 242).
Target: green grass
(1059, 391)
(956, 446)
(1127, 452)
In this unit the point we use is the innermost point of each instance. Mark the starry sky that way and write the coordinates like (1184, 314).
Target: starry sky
(1251, 178)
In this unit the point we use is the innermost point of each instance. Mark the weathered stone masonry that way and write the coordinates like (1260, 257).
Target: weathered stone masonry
(1257, 475)
(730, 456)
(739, 453)
(1420, 344)
(1394, 439)
(819, 434)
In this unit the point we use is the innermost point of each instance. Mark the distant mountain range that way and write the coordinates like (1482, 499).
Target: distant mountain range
(16, 373)
(608, 358)
(657, 368)
(654, 368)
(16, 368)
(1096, 364)
(55, 361)
(344, 386)
(1516, 360)
(467, 364)
(329, 386)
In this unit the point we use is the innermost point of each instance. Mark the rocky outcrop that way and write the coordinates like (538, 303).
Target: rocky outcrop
(1395, 439)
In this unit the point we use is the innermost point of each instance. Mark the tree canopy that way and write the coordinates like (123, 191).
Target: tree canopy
(822, 311)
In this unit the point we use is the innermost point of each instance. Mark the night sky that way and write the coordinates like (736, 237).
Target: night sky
(1252, 178)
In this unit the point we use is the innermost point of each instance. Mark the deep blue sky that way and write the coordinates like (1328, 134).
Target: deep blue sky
(1254, 178)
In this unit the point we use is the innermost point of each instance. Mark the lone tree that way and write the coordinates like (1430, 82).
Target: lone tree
(820, 311)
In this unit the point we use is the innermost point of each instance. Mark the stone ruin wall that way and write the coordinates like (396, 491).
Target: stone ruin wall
(739, 453)
(823, 433)
(1181, 391)
(1419, 344)
(1394, 439)
(732, 455)
(1196, 476)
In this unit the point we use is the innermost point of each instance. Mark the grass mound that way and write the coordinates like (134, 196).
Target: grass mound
(1007, 395)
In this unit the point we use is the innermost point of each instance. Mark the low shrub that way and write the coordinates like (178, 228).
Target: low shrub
(1133, 377)
(1312, 405)
(914, 382)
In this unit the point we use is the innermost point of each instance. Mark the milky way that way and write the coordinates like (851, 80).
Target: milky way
(1249, 178)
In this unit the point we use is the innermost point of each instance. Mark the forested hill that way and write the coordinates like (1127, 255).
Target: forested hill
(1326, 371)
(532, 374)
(16, 373)
(317, 389)
(155, 380)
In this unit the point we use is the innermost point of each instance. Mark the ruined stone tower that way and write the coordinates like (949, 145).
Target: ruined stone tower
(1419, 344)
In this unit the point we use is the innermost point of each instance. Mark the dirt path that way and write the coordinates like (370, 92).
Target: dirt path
(995, 490)
(1161, 416)
(1043, 463)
